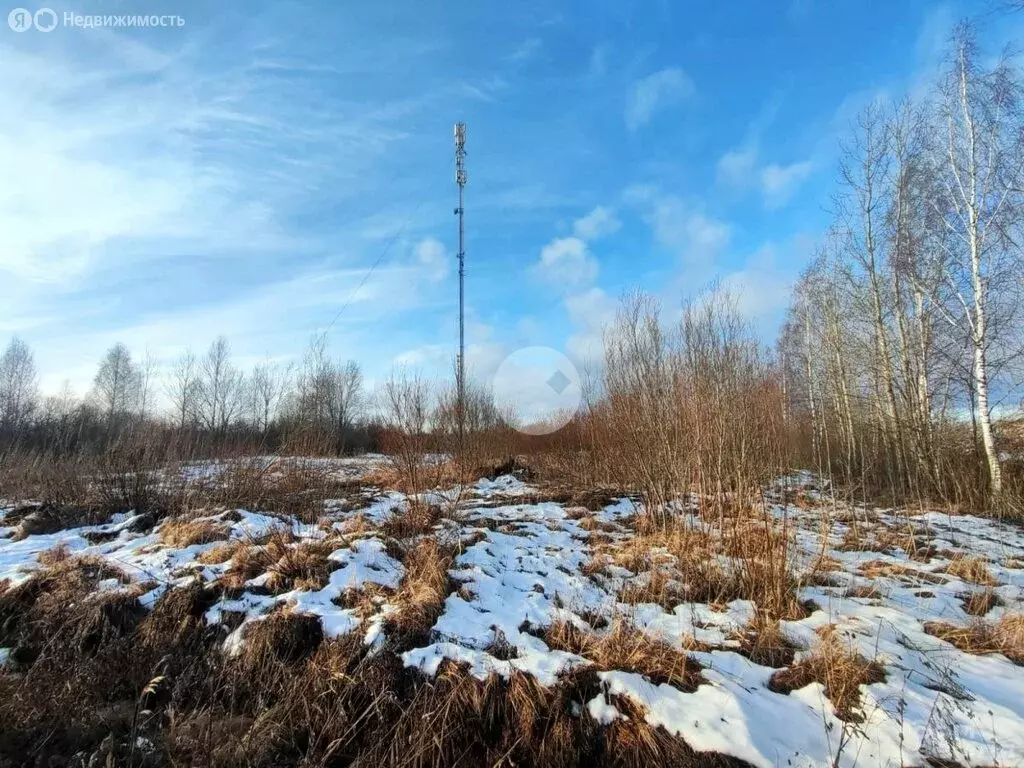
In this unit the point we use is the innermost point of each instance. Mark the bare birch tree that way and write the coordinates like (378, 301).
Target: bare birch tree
(183, 390)
(983, 153)
(19, 387)
(219, 387)
(116, 388)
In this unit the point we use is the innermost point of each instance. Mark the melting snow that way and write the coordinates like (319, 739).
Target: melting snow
(525, 570)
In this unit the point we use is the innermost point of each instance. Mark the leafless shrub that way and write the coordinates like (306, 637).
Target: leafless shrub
(404, 398)
(689, 408)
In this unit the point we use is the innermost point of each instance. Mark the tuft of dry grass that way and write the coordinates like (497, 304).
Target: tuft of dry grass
(418, 519)
(54, 556)
(289, 563)
(878, 568)
(763, 643)
(1005, 636)
(683, 564)
(421, 595)
(181, 532)
(303, 566)
(979, 602)
(220, 553)
(972, 569)
(865, 592)
(283, 636)
(840, 670)
(626, 648)
(283, 486)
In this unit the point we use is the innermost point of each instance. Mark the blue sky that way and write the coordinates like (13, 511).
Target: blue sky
(240, 174)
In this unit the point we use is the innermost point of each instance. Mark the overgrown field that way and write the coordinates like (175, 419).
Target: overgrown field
(307, 612)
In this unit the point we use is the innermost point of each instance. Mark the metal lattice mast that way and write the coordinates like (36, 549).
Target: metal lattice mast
(460, 179)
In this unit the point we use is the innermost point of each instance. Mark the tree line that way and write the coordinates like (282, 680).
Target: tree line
(205, 400)
(908, 321)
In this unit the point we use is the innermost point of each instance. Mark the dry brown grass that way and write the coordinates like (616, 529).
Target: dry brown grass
(979, 602)
(683, 566)
(625, 648)
(660, 587)
(972, 569)
(840, 670)
(865, 592)
(421, 596)
(878, 537)
(418, 519)
(763, 643)
(303, 566)
(283, 636)
(879, 568)
(73, 653)
(221, 553)
(289, 563)
(1005, 636)
(386, 477)
(54, 556)
(182, 532)
(445, 474)
(281, 487)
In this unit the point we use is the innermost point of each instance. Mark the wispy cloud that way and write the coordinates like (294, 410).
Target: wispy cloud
(695, 237)
(655, 93)
(780, 182)
(153, 196)
(431, 256)
(526, 50)
(590, 312)
(737, 167)
(600, 222)
(740, 168)
(566, 261)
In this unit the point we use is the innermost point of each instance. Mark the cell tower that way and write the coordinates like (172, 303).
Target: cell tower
(460, 179)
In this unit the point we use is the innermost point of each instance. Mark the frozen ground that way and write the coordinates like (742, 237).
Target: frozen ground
(522, 566)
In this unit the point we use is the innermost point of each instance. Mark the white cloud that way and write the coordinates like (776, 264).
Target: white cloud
(599, 223)
(526, 50)
(160, 197)
(430, 255)
(780, 182)
(566, 261)
(737, 167)
(692, 234)
(654, 93)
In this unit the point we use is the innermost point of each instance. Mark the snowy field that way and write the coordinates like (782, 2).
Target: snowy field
(887, 587)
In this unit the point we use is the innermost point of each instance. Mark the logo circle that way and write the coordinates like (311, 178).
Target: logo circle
(541, 386)
(20, 19)
(45, 19)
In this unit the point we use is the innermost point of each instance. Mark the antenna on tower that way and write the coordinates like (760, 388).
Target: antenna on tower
(460, 179)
